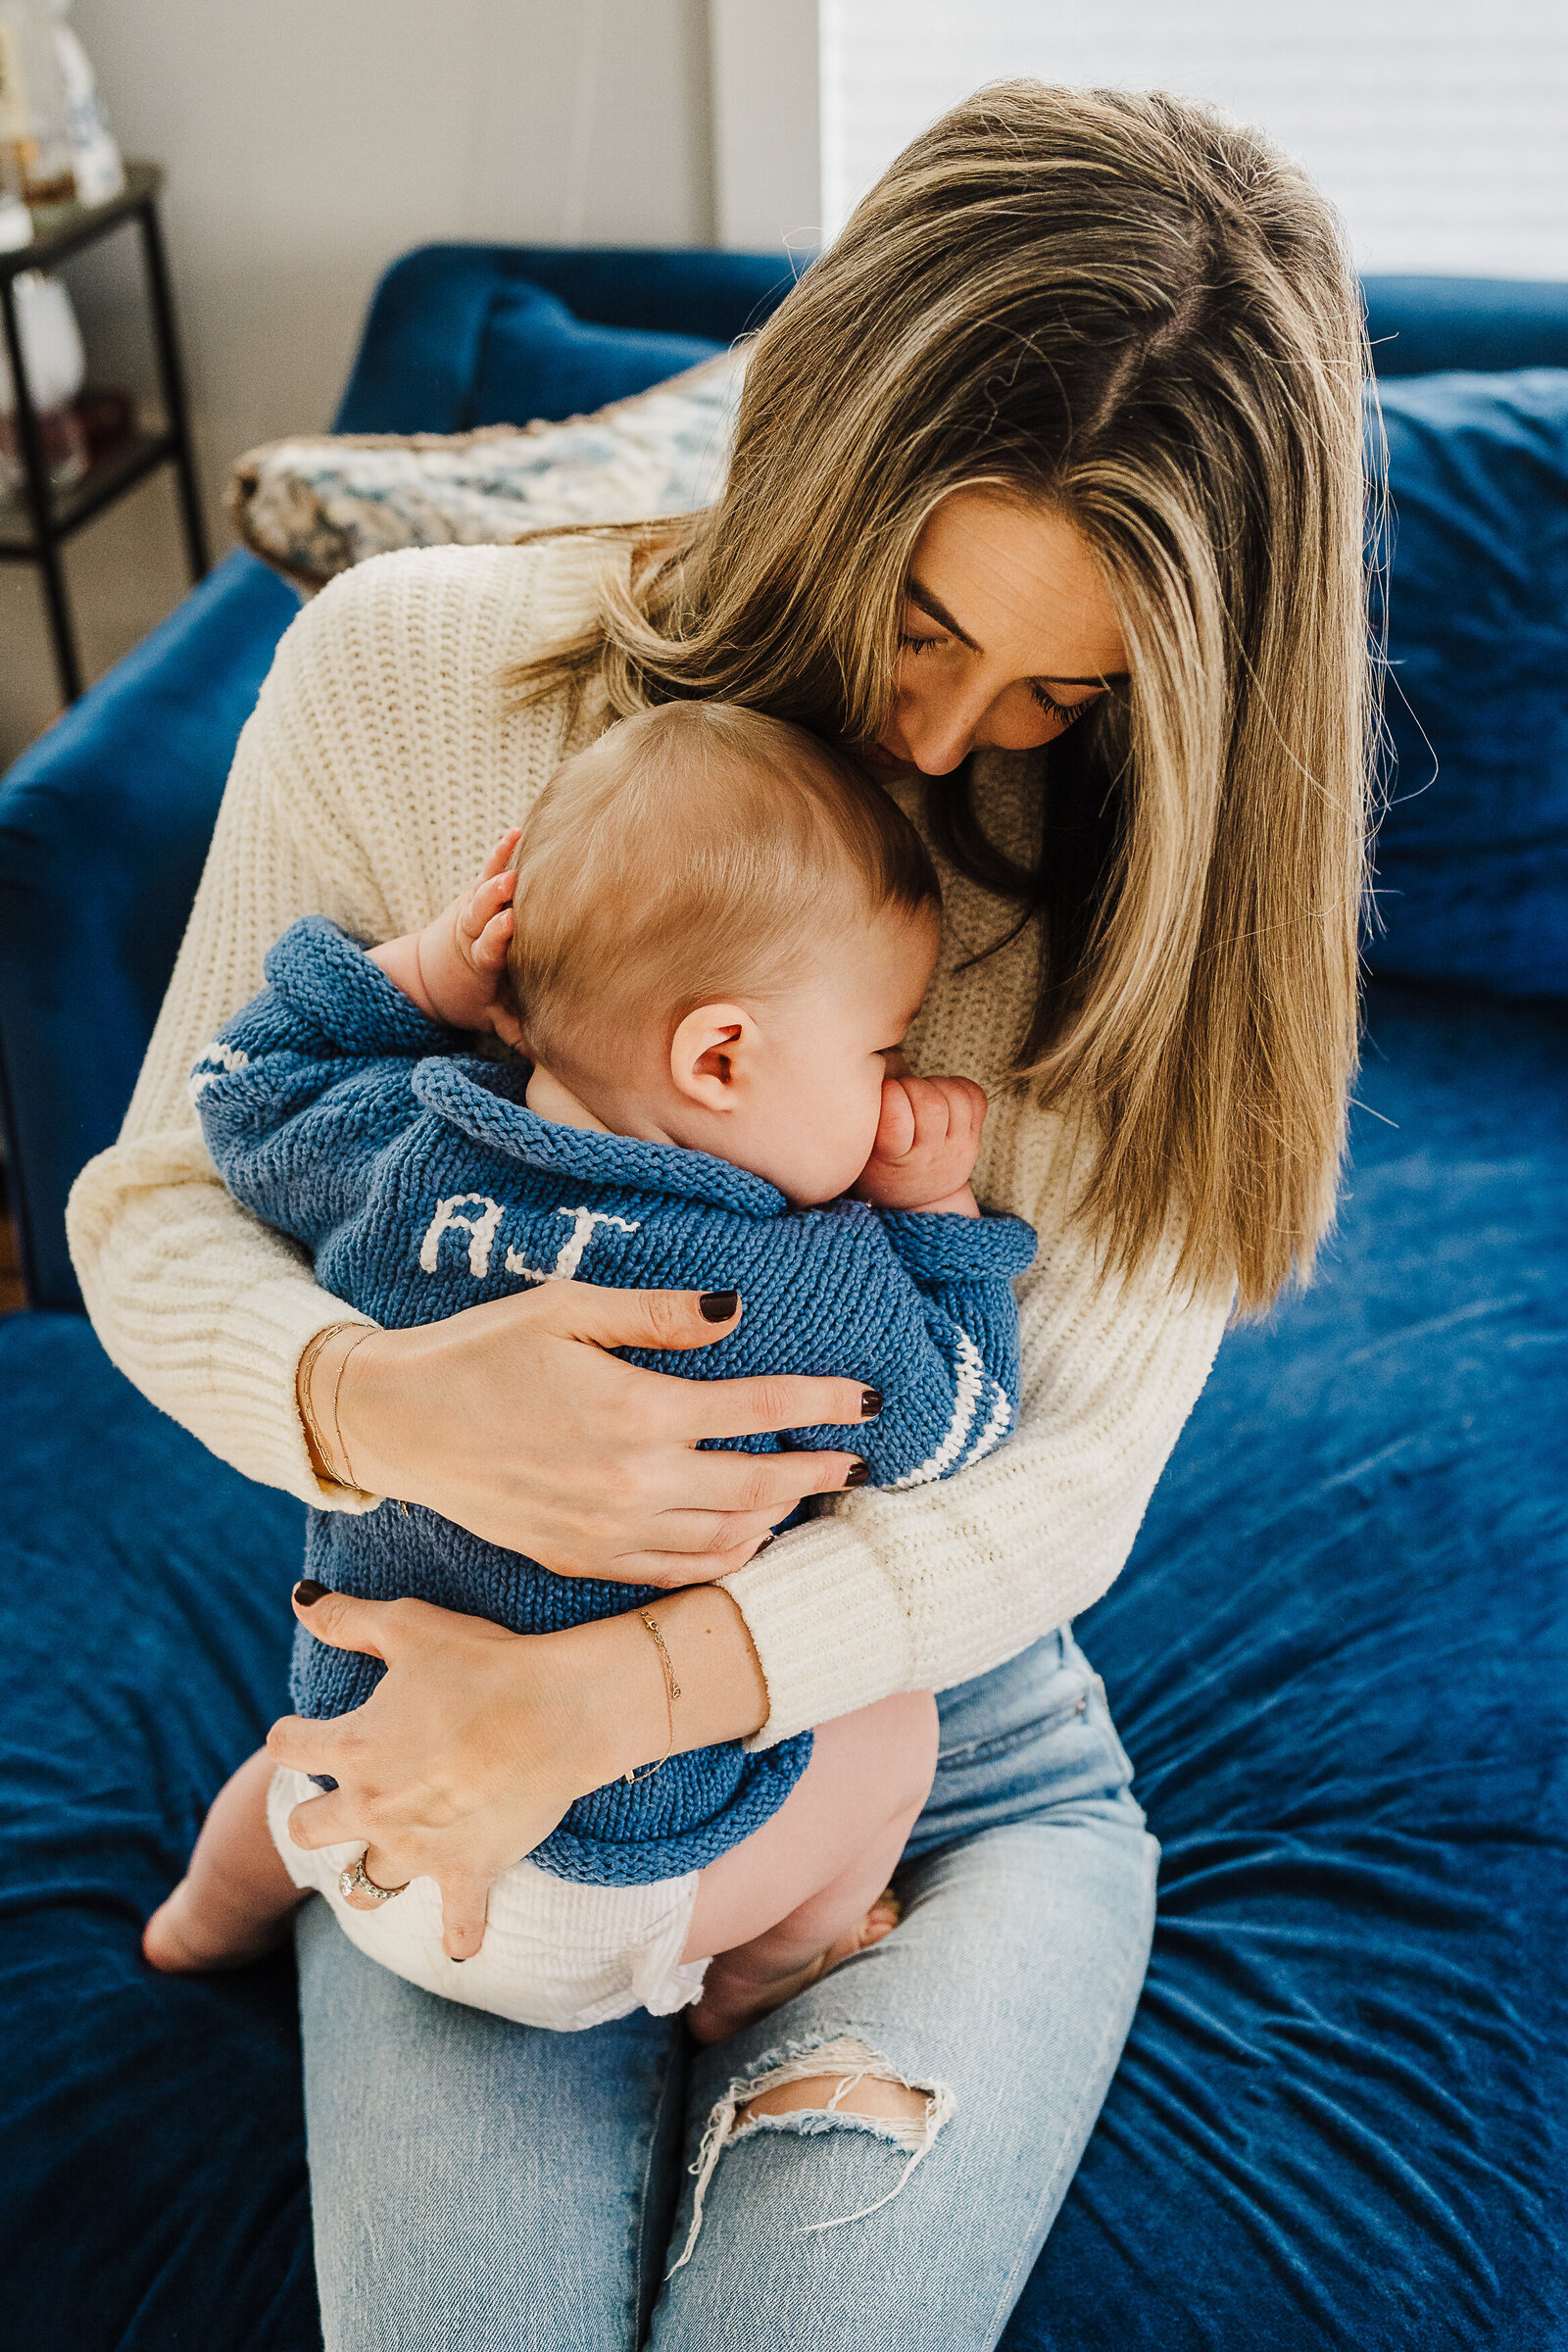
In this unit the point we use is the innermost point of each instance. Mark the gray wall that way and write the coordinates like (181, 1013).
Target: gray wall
(308, 142)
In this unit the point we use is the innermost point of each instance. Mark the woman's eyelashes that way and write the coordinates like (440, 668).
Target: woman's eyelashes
(1063, 713)
(1066, 713)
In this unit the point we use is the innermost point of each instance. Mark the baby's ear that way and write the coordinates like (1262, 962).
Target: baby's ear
(708, 1053)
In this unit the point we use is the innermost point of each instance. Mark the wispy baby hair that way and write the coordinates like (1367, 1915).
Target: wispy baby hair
(698, 850)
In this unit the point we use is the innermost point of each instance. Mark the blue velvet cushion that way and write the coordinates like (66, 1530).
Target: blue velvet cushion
(539, 359)
(1418, 324)
(1338, 1658)
(465, 335)
(105, 821)
(1472, 865)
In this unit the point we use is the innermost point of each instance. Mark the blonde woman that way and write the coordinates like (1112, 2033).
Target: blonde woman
(1047, 502)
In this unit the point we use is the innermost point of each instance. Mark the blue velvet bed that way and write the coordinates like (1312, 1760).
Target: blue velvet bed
(1339, 1656)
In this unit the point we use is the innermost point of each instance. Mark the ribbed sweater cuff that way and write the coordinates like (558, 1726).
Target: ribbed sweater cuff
(825, 1620)
(255, 1358)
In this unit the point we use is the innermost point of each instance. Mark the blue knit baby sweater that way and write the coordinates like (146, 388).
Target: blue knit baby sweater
(422, 1184)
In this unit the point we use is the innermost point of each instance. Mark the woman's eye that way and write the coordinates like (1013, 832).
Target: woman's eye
(1065, 711)
(918, 645)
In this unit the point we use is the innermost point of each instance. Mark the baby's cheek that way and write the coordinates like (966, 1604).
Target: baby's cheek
(856, 1138)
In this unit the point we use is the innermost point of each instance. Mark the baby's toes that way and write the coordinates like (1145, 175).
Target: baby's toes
(881, 1919)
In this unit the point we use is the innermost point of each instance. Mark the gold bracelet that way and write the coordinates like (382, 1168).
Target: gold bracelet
(365, 1332)
(672, 1694)
(325, 1455)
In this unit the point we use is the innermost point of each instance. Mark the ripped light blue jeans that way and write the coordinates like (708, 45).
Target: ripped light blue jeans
(482, 2187)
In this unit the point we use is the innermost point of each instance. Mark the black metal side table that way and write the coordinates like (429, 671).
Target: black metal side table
(53, 515)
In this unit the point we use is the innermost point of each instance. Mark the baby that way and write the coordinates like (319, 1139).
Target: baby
(718, 933)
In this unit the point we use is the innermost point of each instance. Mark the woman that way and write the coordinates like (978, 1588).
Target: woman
(1046, 500)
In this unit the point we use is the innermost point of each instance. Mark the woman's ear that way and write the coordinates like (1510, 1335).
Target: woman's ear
(709, 1052)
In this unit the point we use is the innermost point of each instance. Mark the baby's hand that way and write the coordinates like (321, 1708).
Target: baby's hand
(452, 968)
(927, 1142)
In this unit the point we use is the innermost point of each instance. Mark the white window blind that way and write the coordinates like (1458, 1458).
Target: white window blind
(1440, 129)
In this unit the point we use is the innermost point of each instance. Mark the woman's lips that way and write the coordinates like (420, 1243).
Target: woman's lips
(875, 756)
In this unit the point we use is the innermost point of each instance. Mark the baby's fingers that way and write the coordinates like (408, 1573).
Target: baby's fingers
(896, 1127)
(496, 863)
(930, 1111)
(490, 948)
(479, 909)
(967, 1111)
(948, 1110)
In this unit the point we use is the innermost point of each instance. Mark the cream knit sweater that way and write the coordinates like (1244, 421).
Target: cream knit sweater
(376, 772)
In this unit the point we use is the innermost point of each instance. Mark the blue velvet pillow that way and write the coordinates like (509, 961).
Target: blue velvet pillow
(538, 359)
(1472, 865)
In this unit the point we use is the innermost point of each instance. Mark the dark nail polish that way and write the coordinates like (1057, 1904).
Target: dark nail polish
(458, 1958)
(859, 1475)
(871, 1404)
(718, 1305)
(308, 1592)
(762, 1547)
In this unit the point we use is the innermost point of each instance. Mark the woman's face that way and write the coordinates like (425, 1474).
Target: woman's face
(1007, 635)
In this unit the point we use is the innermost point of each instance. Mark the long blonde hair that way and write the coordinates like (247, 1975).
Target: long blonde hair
(1131, 309)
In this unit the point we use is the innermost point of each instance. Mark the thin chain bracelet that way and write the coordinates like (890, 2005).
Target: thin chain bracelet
(342, 1454)
(302, 1385)
(672, 1694)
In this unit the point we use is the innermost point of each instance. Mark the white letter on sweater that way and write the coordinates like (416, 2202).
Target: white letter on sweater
(569, 1255)
(481, 1230)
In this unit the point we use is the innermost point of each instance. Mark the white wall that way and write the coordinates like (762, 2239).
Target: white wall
(1440, 127)
(308, 142)
(768, 175)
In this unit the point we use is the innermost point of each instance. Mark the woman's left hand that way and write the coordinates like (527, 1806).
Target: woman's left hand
(486, 1788)
(476, 1741)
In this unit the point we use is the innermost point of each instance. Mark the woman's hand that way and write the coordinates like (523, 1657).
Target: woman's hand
(476, 1741)
(515, 1420)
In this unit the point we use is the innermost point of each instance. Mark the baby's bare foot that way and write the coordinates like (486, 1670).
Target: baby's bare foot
(881, 1919)
(181, 1940)
(733, 1996)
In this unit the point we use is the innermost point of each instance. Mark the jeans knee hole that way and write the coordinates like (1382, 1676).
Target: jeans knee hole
(838, 2066)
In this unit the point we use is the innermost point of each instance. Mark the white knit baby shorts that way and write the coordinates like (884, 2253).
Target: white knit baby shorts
(556, 1954)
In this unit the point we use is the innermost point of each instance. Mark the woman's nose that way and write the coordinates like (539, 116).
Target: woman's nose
(940, 735)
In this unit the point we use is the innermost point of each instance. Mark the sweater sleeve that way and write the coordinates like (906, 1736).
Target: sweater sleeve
(924, 1306)
(302, 1090)
(922, 1588)
(352, 794)
(964, 1269)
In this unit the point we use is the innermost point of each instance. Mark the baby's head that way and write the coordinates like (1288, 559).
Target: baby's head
(722, 927)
